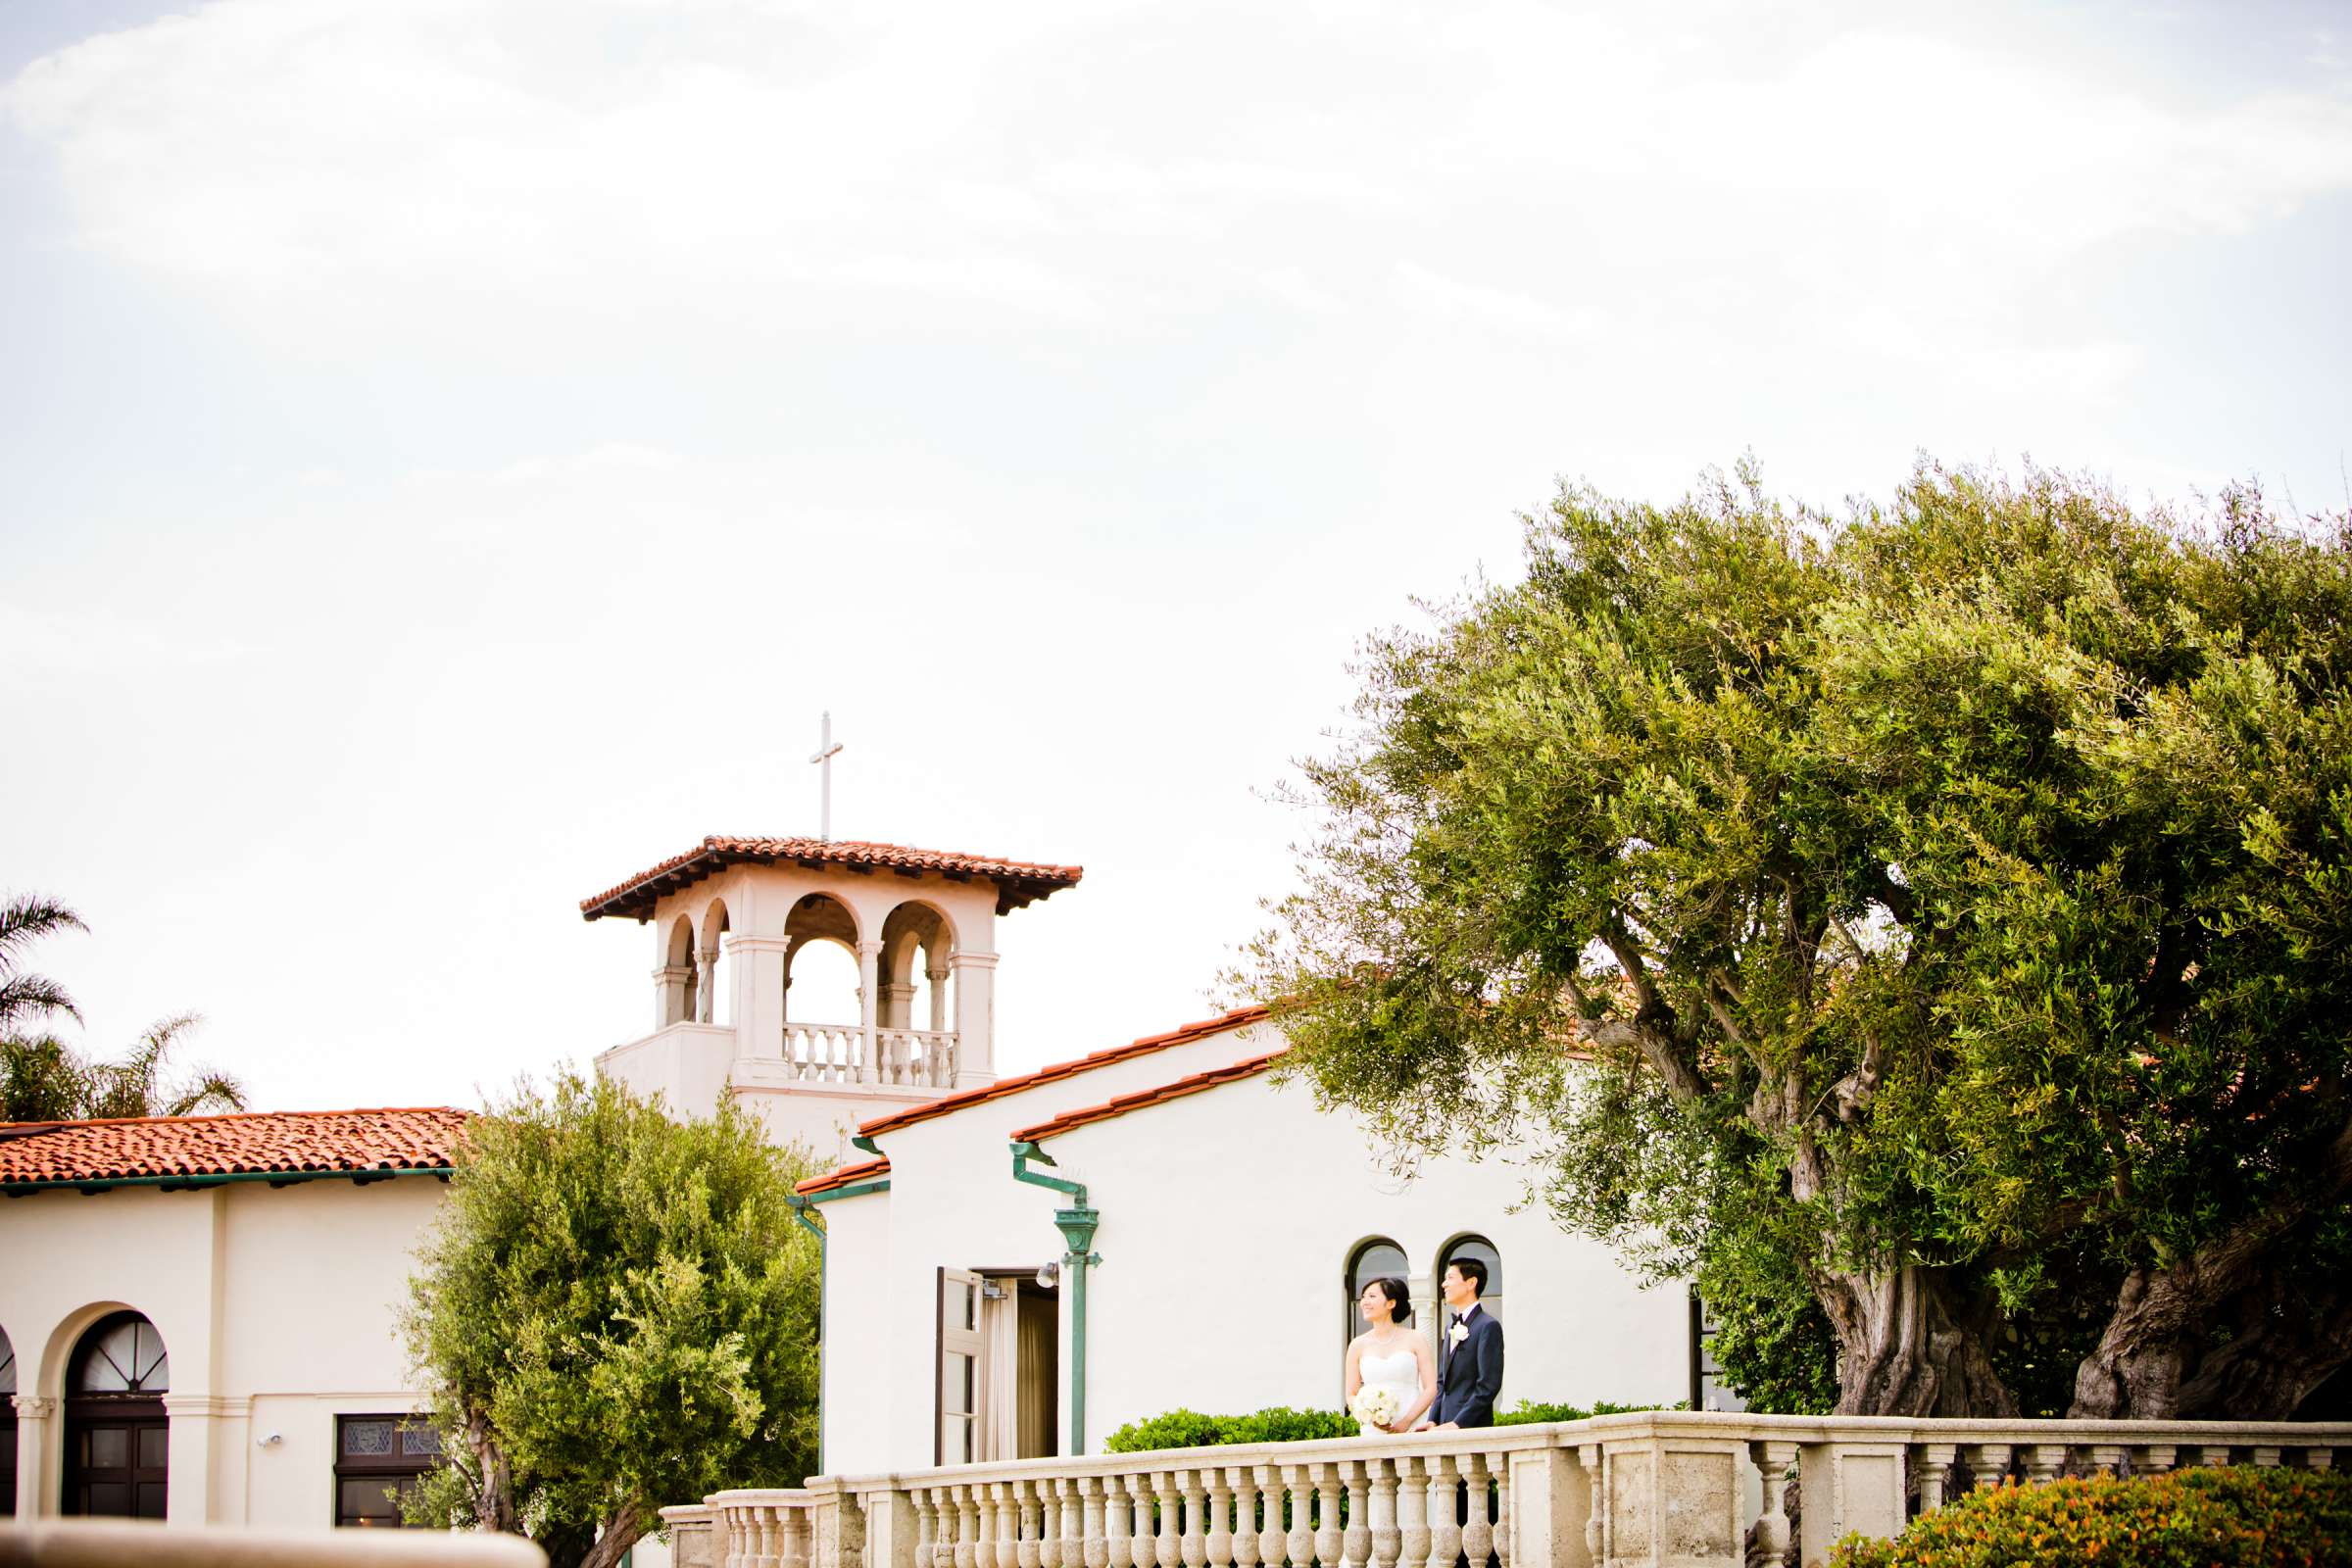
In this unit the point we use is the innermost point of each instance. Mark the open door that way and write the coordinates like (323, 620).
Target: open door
(961, 1380)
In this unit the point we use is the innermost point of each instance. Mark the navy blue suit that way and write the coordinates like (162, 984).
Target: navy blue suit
(1470, 1374)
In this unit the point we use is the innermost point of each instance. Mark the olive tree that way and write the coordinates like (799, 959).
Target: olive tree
(614, 1313)
(1930, 927)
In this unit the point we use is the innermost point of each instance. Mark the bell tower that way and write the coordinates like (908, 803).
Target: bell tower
(730, 919)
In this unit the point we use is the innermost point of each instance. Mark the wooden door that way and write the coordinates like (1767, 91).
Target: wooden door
(116, 1458)
(961, 1354)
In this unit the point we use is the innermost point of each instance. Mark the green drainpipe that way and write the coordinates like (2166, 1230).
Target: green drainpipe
(1077, 1225)
(801, 1206)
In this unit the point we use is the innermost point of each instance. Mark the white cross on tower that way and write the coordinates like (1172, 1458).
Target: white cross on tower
(826, 748)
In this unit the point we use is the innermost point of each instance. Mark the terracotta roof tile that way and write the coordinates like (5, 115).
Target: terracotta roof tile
(1121, 1104)
(67, 1153)
(1017, 882)
(866, 1170)
(947, 1104)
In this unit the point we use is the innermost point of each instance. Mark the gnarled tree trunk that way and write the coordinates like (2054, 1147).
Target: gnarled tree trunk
(1911, 1343)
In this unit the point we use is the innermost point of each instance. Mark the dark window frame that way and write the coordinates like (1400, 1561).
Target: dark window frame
(391, 1469)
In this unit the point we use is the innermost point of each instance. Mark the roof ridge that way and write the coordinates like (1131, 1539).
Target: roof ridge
(240, 1115)
(1109, 1056)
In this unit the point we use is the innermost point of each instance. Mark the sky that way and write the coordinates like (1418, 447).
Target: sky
(452, 453)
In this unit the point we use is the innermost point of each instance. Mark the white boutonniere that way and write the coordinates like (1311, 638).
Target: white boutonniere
(1461, 1331)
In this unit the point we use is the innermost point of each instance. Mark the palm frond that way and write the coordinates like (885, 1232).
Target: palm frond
(26, 917)
(31, 995)
(208, 1091)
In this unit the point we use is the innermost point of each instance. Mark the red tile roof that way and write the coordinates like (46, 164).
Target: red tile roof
(865, 1170)
(69, 1152)
(1017, 882)
(948, 1105)
(1121, 1104)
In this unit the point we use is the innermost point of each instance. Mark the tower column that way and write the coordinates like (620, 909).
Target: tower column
(939, 997)
(758, 994)
(870, 999)
(669, 994)
(975, 1018)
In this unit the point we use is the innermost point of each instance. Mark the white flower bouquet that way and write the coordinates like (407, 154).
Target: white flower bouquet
(1373, 1407)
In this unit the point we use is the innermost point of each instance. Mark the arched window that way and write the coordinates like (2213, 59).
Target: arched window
(122, 1354)
(1490, 1299)
(1370, 1261)
(118, 1440)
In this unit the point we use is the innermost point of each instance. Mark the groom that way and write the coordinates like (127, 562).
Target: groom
(1470, 1368)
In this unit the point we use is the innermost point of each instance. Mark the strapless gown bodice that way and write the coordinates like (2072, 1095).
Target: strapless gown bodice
(1397, 1373)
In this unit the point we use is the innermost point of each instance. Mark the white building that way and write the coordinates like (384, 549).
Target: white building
(196, 1314)
(1235, 1221)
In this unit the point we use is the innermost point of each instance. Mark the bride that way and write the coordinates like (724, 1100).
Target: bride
(1390, 1354)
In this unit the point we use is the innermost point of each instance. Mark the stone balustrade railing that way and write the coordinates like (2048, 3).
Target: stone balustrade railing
(1658, 1489)
(836, 1053)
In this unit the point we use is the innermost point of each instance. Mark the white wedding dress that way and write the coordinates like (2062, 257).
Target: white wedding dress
(1399, 1374)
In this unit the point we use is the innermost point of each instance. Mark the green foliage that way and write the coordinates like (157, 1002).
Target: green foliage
(1190, 1429)
(1530, 1412)
(46, 1080)
(26, 918)
(1950, 904)
(615, 1311)
(2228, 1518)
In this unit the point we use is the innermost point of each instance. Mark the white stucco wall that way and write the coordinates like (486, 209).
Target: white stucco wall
(1228, 1220)
(1229, 1217)
(953, 1201)
(275, 1307)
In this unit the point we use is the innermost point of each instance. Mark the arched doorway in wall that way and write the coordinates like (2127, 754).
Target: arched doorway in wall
(8, 1426)
(118, 1439)
(1489, 1299)
(1370, 1259)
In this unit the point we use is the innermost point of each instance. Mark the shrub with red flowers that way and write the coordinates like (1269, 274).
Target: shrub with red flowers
(2223, 1518)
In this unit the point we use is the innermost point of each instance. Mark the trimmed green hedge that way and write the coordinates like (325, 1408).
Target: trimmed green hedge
(1190, 1429)
(2225, 1518)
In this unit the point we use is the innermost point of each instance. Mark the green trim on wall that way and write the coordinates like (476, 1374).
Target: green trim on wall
(1077, 1224)
(175, 1184)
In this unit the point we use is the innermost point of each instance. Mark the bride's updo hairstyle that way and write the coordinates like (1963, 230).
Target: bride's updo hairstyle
(1400, 1298)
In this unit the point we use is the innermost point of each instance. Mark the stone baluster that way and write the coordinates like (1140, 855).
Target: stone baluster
(1147, 1521)
(1931, 1466)
(2045, 1461)
(1118, 1523)
(1193, 1545)
(2107, 1458)
(1596, 1516)
(1221, 1536)
(795, 1552)
(1989, 1462)
(1241, 1482)
(1498, 1465)
(1387, 1537)
(1054, 1499)
(2266, 1457)
(2153, 1459)
(1411, 1492)
(1271, 1546)
(1029, 1551)
(765, 1529)
(1095, 1544)
(2212, 1455)
(1355, 1534)
(848, 1531)
(1330, 1540)
(2319, 1458)
(1299, 1539)
(970, 1521)
(1167, 1545)
(1773, 1462)
(926, 1528)
(1478, 1536)
(1074, 1529)
(1008, 1524)
(1445, 1531)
